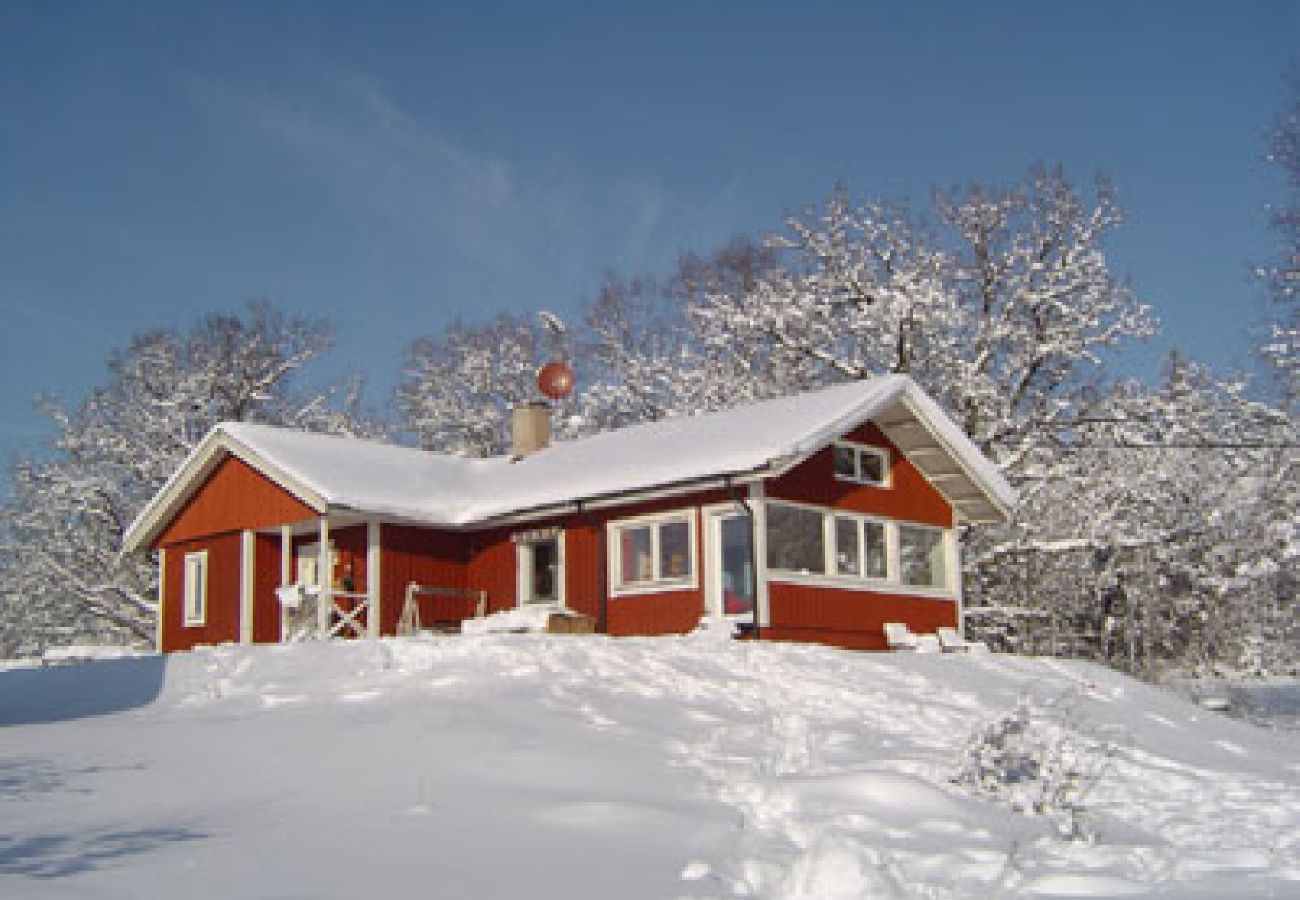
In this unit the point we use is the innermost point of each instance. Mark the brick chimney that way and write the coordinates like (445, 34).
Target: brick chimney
(530, 427)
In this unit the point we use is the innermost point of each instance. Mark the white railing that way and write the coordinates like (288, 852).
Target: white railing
(350, 619)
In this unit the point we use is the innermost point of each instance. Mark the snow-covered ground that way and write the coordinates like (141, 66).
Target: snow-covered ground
(562, 766)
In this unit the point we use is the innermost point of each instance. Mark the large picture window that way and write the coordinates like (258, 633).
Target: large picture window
(795, 539)
(196, 587)
(845, 547)
(653, 553)
(921, 557)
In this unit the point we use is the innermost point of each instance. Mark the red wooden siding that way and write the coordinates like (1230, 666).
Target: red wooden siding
(233, 497)
(266, 606)
(671, 612)
(853, 619)
(427, 557)
(583, 567)
(222, 619)
(909, 495)
(491, 567)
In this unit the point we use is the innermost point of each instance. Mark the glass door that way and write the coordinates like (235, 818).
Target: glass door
(731, 565)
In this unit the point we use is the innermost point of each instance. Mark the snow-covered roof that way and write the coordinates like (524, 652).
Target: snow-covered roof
(755, 440)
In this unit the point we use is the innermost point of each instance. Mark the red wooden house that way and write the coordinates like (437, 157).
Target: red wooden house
(816, 517)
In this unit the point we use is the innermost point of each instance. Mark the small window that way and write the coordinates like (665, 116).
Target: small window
(653, 553)
(922, 560)
(795, 539)
(865, 465)
(196, 587)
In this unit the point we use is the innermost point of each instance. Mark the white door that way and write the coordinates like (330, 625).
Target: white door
(540, 571)
(729, 570)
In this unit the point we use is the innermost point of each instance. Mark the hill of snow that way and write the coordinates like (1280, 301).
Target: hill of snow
(554, 766)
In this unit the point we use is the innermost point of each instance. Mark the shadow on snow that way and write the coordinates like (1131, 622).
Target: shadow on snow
(61, 693)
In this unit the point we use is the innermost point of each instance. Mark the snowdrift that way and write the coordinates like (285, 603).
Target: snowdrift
(554, 766)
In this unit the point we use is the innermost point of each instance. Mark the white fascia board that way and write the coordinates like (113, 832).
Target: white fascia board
(202, 462)
(999, 494)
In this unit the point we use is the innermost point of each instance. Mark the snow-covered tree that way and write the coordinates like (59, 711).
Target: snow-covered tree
(1282, 275)
(1156, 535)
(457, 389)
(646, 359)
(60, 544)
(1002, 308)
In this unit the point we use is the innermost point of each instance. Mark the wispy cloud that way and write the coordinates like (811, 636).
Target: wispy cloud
(532, 228)
(365, 152)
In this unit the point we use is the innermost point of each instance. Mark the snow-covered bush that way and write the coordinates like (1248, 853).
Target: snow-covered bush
(1041, 758)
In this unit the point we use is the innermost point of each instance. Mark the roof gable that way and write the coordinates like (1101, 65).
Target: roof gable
(234, 496)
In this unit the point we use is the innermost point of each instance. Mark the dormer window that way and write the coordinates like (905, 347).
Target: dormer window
(862, 464)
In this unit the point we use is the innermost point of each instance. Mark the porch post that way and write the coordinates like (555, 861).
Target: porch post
(952, 543)
(758, 506)
(325, 579)
(373, 574)
(286, 555)
(247, 567)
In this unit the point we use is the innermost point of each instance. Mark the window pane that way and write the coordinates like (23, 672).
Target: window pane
(872, 467)
(845, 461)
(737, 565)
(847, 561)
(874, 538)
(674, 551)
(794, 539)
(636, 558)
(921, 557)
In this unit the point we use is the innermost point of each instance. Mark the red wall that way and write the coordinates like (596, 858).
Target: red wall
(222, 621)
(266, 607)
(853, 619)
(909, 495)
(427, 557)
(233, 497)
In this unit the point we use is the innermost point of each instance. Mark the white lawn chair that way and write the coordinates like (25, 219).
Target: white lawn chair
(899, 638)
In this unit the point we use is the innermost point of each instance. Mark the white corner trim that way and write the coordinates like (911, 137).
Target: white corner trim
(247, 574)
(162, 597)
(374, 572)
(758, 504)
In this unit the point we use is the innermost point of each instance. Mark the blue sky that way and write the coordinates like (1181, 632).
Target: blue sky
(393, 166)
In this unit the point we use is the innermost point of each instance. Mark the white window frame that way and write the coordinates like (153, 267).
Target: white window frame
(945, 542)
(195, 603)
(658, 583)
(891, 582)
(860, 450)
